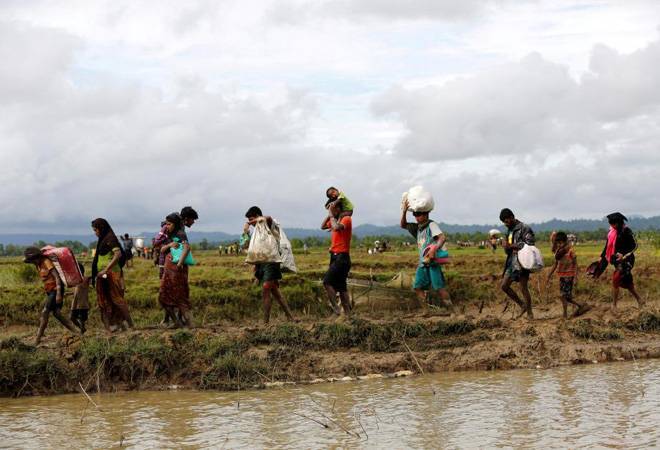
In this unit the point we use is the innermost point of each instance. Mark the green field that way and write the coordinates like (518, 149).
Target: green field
(222, 287)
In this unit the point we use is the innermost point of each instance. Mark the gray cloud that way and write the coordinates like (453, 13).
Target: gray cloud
(70, 153)
(437, 10)
(526, 107)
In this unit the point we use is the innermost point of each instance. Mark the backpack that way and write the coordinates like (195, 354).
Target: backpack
(65, 263)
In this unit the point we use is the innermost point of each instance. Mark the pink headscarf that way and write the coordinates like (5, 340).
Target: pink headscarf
(611, 242)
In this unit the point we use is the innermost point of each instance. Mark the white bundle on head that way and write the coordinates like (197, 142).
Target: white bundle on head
(419, 199)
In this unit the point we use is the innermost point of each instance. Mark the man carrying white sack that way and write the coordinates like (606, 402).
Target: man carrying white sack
(430, 241)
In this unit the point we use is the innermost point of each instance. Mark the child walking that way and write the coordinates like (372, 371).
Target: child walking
(54, 287)
(80, 304)
(566, 267)
(430, 240)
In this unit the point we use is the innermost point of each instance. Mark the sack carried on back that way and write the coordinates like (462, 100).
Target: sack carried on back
(65, 263)
(286, 250)
(264, 246)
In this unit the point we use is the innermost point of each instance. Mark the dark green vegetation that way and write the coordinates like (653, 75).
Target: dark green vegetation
(250, 357)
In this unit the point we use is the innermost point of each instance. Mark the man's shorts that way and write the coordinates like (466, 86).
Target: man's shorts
(566, 287)
(429, 278)
(513, 270)
(268, 272)
(340, 266)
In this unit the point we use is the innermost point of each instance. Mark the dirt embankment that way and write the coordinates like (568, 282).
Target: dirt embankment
(229, 357)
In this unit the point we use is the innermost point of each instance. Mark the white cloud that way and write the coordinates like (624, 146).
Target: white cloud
(533, 106)
(130, 110)
(443, 10)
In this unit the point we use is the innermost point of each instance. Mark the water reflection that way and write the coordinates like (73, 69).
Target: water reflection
(615, 405)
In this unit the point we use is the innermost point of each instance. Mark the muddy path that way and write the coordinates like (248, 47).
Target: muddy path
(229, 355)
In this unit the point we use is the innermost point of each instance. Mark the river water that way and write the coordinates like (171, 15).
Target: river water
(599, 405)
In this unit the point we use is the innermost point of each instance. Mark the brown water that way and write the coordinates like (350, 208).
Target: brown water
(601, 405)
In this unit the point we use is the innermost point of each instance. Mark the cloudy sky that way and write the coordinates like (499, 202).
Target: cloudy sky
(129, 110)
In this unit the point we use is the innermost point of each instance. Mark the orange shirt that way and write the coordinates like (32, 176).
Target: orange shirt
(340, 240)
(45, 267)
(566, 262)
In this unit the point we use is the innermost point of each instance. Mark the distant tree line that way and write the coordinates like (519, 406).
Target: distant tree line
(651, 237)
(17, 250)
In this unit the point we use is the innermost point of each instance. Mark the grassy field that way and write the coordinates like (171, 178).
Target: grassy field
(222, 287)
(228, 347)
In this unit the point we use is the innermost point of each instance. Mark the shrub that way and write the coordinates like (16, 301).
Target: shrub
(453, 327)
(646, 321)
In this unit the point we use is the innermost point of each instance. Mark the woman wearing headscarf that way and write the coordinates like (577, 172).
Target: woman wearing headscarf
(619, 251)
(174, 295)
(109, 280)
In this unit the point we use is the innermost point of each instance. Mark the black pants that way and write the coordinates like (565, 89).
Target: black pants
(340, 266)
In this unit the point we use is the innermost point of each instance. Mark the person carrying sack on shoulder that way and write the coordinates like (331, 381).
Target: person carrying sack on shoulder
(518, 234)
(268, 274)
(54, 287)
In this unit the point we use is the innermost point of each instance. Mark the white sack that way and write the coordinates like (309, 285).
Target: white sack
(530, 258)
(263, 247)
(286, 251)
(419, 199)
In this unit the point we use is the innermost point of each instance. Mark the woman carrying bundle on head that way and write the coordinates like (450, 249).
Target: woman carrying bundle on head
(174, 295)
(109, 280)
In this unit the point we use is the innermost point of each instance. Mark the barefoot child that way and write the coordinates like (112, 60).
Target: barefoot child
(567, 270)
(339, 199)
(430, 239)
(54, 287)
(80, 304)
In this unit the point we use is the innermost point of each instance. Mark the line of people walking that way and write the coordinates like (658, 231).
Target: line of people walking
(429, 284)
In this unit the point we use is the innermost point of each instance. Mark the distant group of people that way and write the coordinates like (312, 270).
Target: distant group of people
(172, 252)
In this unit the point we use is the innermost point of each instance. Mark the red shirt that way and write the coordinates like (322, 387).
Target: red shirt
(340, 240)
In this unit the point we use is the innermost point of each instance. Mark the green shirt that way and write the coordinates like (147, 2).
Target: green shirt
(346, 204)
(104, 260)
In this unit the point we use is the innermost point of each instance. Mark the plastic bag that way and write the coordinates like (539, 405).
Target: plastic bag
(264, 246)
(286, 251)
(178, 251)
(441, 255)
(530, 258)
(419, 199)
